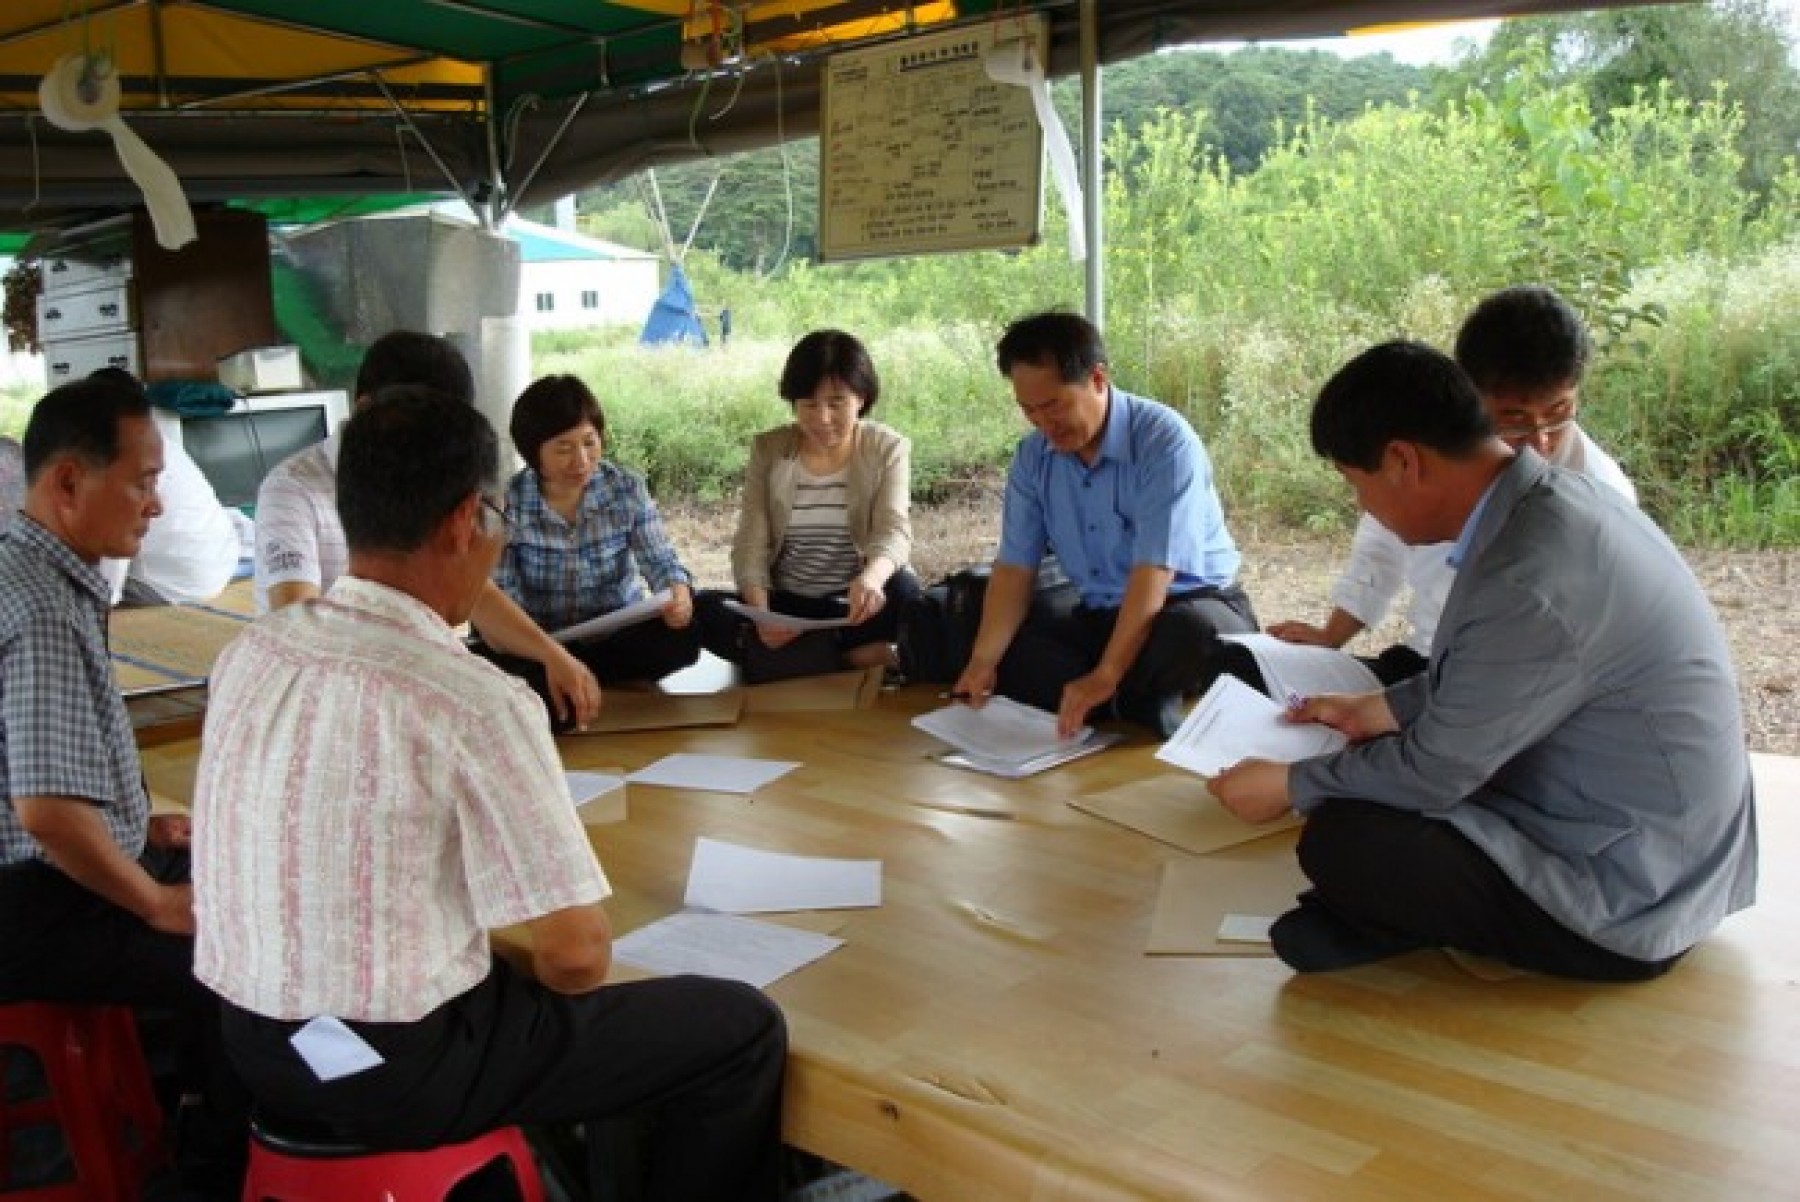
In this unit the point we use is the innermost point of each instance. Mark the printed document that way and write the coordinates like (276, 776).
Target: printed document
(781, 621)
(618, 619)
(1234, 722)
(1300, 670)
(1002, 729)
(723, 945)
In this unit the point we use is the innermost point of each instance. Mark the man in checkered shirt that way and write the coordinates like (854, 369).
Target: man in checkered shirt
(95, 904)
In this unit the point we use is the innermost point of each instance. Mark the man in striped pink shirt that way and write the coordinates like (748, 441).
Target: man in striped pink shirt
(373, 799)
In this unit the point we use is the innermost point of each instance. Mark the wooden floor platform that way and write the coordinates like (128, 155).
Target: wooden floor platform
(995, 1030)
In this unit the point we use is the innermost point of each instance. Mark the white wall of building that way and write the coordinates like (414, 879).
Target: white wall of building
(574, 294)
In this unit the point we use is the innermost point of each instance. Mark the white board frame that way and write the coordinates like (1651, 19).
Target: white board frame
(920, 152)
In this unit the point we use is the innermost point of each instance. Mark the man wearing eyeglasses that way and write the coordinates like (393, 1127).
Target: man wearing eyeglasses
(373, 798)
(1526, 350)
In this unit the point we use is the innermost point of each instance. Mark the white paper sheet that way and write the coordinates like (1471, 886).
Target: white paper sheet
(714, 773)
(598, 797)
(781, 621)
(1002, 731)
(1234, 722)
(618, 619)
(585, 786)
(1299, 670)
(722, 945)
(332, 1050)
(744, 880)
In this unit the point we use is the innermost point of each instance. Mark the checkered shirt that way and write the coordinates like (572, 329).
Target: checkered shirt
(562, 573)
(63, 727)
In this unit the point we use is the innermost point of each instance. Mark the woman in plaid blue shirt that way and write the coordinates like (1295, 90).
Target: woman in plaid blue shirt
(583, 536)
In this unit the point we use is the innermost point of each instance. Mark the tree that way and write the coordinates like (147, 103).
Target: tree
(1738, 49)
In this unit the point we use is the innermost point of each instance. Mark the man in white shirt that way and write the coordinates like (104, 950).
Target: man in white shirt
(1526, 350)
(300, 547)
(373, 799)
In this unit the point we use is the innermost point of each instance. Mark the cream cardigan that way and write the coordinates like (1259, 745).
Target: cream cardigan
(879, 483)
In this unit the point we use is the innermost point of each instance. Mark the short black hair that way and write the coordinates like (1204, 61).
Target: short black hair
(409, 457)
(1403, 391)
(548, 407)
(830, 355)
(1068, 342)
(81, 419)
(409, 357)
(1523, 340)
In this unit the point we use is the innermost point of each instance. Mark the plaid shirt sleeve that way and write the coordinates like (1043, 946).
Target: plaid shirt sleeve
(67, 734)
(650, 540)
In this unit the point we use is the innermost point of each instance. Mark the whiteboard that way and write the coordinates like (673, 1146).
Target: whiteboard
(920, 151)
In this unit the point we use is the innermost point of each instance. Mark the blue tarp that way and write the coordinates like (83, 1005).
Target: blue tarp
(672, 318)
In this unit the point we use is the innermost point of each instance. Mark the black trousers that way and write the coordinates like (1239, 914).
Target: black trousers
(726, 634)
(1182, 655)
(700, 1060)
(60, 942)
(648, 651)
(1403, 876)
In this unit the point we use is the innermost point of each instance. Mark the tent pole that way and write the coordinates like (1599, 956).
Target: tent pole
(1093, 198)
(549, 148)
(431, 151)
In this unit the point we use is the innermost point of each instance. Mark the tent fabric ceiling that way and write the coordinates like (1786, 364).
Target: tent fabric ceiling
(517, 101)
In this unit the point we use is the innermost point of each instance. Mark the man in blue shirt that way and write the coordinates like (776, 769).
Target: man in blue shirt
(1565, 787)
(1121, 489)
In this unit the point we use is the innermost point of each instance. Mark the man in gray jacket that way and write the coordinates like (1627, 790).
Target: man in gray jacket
(1566, 787)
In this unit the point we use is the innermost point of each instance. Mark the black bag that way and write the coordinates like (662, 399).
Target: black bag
(938, 626)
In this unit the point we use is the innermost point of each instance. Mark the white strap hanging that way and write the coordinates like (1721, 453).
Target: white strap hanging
(81, 93)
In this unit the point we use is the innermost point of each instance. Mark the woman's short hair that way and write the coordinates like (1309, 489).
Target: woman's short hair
(830, 355)
(548, 407)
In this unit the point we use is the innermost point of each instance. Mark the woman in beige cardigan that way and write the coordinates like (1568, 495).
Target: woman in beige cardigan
(823, 531)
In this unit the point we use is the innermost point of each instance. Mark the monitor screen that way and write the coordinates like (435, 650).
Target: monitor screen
(236, 450)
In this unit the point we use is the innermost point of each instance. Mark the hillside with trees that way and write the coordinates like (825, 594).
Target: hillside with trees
(1271, 211)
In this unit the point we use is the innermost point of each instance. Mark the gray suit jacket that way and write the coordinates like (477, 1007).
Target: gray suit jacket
(1579, 721)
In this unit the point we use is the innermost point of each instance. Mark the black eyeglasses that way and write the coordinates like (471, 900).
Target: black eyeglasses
(498, 524)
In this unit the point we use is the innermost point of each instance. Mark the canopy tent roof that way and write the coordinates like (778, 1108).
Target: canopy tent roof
(509, 102)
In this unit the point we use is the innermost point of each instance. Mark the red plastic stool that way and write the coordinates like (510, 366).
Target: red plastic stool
(100, 1096)
(286, 1169)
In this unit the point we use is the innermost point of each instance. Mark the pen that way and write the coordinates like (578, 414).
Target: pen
(954, 695)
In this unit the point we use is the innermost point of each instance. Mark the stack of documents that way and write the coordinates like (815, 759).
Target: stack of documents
(1300, 670)
(1234, 722)
(1007, 739)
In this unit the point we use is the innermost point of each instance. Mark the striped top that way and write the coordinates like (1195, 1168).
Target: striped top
(372, 799)
(817, 557)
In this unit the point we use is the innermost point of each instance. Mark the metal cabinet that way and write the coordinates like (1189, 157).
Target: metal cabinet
(113, 298)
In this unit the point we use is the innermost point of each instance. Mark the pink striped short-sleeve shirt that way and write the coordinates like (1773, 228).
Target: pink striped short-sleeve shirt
(372, 799)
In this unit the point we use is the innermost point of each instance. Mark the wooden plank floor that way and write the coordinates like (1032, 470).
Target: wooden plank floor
(994, 1030)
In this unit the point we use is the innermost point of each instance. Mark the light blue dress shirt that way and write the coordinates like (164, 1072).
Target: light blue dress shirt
(1147, 500)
